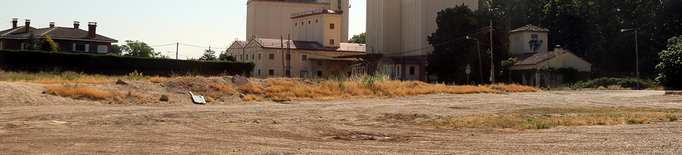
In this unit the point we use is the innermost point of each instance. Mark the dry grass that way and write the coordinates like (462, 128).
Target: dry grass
(251, 97)
(251, 88)
(513, 87)
(157, 79)
(83, 91)
(73, 77)
(228, 90)
(285, 90)
(79, 91)
(543, 118)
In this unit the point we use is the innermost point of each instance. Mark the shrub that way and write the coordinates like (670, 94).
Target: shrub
(670, 67)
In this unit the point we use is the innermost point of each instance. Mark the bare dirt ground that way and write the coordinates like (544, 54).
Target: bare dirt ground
(35, 123)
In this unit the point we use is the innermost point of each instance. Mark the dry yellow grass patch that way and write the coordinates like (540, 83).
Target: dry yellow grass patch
(284, 90)
(78, 91)
(251, 88)
(251, 97)
(228, 90)
(157, 79)
(82, 91)
(543, 118)
(513, 87)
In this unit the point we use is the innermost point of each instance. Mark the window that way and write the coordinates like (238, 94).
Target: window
(253, 56)
(0, 45)
(80, 47)
(271, 72)
(101, 48)
(247, 57)
(315, 20)
(331, 26)
(258, 72)
(534, 36)
(308, 22)
(331, 41)
(516, 39)
(301, 23)
(304, 57)
(397, 70)
(258, 56)
(288, 73)
(319, 62)
(272, 56)
(411, 70)
(288, 56)
(319, 73)
(295, 24)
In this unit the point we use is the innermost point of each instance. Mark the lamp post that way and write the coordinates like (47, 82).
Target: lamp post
(480, 68)
(636, 53)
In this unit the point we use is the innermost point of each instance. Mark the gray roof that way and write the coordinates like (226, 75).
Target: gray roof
(530, 28)
(308, 45)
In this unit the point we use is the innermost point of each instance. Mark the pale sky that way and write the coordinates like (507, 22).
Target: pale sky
(200, 23)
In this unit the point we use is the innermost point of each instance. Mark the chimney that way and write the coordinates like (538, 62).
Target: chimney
(28, 26)
(14, 22)
(92, 27)
(76, 24)
(51, 24)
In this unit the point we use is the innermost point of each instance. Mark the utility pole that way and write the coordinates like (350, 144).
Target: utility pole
(289, 57)
(492, 63)
(177, 46)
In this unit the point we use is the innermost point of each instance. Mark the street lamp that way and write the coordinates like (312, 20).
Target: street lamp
(480, 68)
(636, 54)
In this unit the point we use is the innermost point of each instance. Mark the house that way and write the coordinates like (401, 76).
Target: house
(67, 39)
(529, 45)
(272, 18)
(313, 52)
(398, 30)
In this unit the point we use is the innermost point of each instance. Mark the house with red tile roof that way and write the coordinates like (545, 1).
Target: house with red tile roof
(528, 44)
(67, 39)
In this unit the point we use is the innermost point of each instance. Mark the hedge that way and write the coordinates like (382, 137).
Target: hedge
(34, 61)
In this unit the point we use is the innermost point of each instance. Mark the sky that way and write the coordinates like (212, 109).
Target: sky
(195, 24)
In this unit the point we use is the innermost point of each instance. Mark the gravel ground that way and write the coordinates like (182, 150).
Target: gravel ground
(36, 123)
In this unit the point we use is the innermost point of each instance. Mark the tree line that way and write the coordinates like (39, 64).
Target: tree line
(589, 28)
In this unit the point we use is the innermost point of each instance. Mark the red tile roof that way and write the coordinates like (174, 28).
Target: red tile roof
(63, 33)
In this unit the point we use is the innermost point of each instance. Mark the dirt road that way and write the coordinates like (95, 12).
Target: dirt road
(35, 123)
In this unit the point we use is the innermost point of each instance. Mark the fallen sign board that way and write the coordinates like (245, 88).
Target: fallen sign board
(197, 98)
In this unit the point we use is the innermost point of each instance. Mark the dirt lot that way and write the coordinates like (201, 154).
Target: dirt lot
(35, 123)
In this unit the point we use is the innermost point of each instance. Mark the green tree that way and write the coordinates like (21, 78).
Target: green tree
(208, 55)
(224, 57)
(48, 45)
(670, 67)
(31, 42)
(451, 51)
(138, 49)
(115, 49)
(360, 38)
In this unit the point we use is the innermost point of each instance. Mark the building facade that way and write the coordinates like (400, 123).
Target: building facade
(529, 45)
(273, 18)
(67, 39)
(312, 52)
(399, 29)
